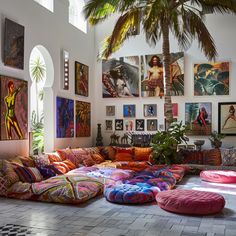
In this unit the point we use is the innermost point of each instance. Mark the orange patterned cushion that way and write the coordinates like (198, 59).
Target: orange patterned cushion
(108, 152)
(142, 154)
(27, 161)
(53, 157)
(65, 154)
(78, 153)
(124, 154)
(88, 161)
(212, 157)
(97, 158)
(64, 166)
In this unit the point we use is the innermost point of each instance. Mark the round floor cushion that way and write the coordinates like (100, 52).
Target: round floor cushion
(190, 202)
(219, 176)
(131, 194)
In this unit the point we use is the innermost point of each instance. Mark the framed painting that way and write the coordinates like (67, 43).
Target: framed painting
(81, 79)
(110, 110)
(139, 124)
(198, 117)
(129, 110)
(119, 125)
(129, 125)
(227, 118)
(211, 78)
(65, 117)
(152, 125)
(120, 77)
(175, 109)
(109, 125)
(150, 110)
(152, 79)
(83, 119)
(13, 108)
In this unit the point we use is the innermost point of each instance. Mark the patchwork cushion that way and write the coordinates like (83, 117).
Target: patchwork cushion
(124, 154)
(9, 173)
(20, 190)
(190, 202)
(228, 156)
(219, 176)
(131, 194)
(79, 153)
(212, 157)
(41, 160)
(97, 158)
(142, 154)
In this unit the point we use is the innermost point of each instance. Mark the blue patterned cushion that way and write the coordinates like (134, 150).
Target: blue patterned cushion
(46, 172)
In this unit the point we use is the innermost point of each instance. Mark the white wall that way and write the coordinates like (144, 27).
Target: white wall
(52, 31)
(223, 31)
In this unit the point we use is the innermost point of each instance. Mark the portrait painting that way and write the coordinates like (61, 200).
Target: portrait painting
(175, 109)
(129, 110)
(14, 108)
(227, 118)
(211, 78)
(129, 125)
(198, 118)
(152, 125)
(110, 110)
(109, 125)
(120, 77)
(83, 119)
(14, 44)
(65, 117)
(150, 110)
(152, 79)
(119, 124)
(81, 79)
(139, 124)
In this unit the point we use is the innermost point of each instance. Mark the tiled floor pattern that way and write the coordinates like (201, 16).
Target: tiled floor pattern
(99, 217)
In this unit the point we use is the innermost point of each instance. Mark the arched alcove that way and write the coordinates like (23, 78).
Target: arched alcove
(44, 109)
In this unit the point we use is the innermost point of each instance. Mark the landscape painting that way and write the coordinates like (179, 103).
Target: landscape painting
(83, 119)
(198, 117)
(152, 79)
(120, 77)
(211, 78)
(65, 117)
(14, 44)
(81, 79)
(13, 108)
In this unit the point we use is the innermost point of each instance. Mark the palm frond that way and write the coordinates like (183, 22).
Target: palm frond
(37, 69)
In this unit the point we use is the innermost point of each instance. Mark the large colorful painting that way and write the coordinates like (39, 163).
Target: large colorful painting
(152, 79)
(227, 118)
(65, 117)
(14, 108)
(120, 77)
(198, 117)
(14, 44)
(211, 78)
(81, 79)
(83, 119)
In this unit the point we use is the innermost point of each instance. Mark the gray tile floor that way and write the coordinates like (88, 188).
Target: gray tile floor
(99, 217)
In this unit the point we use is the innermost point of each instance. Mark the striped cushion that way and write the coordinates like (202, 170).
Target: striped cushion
(28, 174)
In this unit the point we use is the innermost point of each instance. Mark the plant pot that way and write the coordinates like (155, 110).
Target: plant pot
(216, 144)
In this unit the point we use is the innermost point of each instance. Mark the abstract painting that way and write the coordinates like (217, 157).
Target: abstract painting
(150, 110)
(108, 125)
(129, 125)
(120, 77)
(152, 125)
(14, 44)
(211, 78)
(81, 79)
(129, 110)
(152, 79)
(175, 109)
(198, 118)
(83, 119)
(110, 110)
(227, 118)
(119, 124)
(65, 117)
(14, 108)
(139, 124)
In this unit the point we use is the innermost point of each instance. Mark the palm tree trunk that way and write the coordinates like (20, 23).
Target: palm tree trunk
(166, 61)
(37, 103)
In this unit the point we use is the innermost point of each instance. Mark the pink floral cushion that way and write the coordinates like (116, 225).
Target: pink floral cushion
(219, 176)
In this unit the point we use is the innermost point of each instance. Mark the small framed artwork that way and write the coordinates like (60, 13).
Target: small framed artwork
(109, 125)
(110, 110)
(139, 124)
(129, 125)
(81, 79)
(175, 109)
(150, 110)
(129, 111)
(227, 118)
(152, 125)
(119, 125)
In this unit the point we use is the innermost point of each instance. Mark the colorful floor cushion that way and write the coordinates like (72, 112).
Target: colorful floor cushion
(218, 176)
(131, 194)
(20, 190)
(190, 202)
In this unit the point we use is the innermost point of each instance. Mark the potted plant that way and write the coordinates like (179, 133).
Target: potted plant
(215, 139)
(165, 143)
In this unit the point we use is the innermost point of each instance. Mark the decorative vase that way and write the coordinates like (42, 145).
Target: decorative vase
(99, 136)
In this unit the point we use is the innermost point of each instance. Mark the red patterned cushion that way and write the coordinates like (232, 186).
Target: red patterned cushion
(142, 154)
(124, 154)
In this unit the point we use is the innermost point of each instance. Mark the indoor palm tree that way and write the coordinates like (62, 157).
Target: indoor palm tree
(183, 18)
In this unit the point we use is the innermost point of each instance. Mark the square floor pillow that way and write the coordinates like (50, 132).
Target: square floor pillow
(142, 154)
(124, 154)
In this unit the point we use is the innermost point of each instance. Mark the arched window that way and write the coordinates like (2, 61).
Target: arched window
(46, 3)
(76, 17)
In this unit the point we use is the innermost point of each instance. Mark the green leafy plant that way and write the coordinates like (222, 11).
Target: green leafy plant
(165, 143)
(215, 139)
